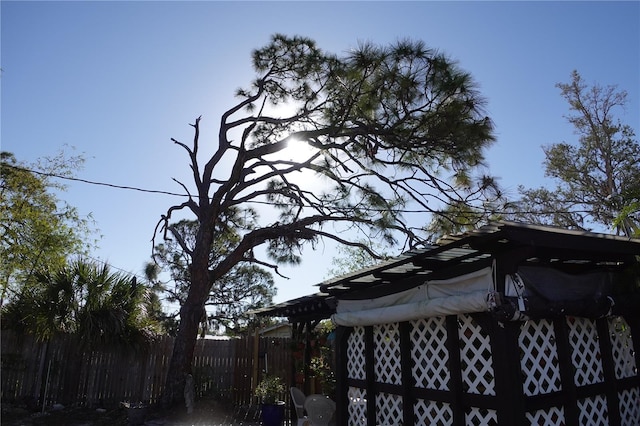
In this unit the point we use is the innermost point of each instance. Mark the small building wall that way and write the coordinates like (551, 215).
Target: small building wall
(470, 369)
(279, 330)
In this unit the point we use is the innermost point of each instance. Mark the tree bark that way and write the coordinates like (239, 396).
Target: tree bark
(191, 314)
(182, 355)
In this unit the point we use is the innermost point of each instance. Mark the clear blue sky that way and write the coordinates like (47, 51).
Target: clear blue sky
(117, 80)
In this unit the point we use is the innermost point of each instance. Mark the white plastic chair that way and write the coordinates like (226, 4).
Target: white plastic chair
(298, 397)
(320, 410)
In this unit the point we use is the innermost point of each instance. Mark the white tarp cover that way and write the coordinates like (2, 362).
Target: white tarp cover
(463, 294)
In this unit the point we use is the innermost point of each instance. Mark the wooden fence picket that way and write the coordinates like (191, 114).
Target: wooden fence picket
(57, 371)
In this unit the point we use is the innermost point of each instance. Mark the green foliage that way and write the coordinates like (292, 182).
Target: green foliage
(598, 178)
(625, 219)
(38, 231)
(270, 389)
(323, 361)
(243, 288)
(322, 352)
(102, 308)
(461, 217)
(349, 258)
(388, 128)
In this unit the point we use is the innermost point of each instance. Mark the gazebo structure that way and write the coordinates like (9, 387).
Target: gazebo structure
(509, 324)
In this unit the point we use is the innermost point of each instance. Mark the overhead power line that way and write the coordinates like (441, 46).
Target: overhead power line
(104, 262)
(175, 194)
(90, 182)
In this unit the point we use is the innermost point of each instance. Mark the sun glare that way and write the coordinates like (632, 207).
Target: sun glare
(297, 150)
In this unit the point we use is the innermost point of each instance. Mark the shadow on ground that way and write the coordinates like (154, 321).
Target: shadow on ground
(206, 413)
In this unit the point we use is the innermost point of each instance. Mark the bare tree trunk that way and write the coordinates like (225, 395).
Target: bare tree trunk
(191, 314)
(182, 356)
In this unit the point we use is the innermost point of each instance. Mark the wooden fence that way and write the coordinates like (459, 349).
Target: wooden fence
(56, 371)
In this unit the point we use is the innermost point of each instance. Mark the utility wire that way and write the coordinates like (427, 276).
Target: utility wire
(110, 185)
(104, 262)
(153, 191)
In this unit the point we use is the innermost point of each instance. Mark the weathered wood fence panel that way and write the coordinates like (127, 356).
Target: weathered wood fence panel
(242, 375)
(36, 372)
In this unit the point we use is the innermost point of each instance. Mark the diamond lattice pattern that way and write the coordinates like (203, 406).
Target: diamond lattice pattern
(355, 354)
(386, 339)
(622, 347)
(429, 352)
(629, 402)
(539, 358)
(549, 417)
(538, 361)
(388, 409)
(357, 406)
(593, 411)
(432, 413)
(476, 358)
(481, 416)
(585, 351)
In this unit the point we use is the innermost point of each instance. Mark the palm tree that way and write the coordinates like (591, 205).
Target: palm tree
(102, 308)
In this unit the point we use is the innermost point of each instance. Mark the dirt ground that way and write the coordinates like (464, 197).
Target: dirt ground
(206, 413)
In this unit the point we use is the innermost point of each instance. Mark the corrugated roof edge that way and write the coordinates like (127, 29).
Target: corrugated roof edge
(493, 231)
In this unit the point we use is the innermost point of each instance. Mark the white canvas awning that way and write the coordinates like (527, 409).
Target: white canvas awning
(463, 294)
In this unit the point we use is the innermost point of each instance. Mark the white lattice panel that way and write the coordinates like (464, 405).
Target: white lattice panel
(629, 403)
(593, 411)
(357, 406)
(388, 409)
(429, 352)
(539, 358)
(481, 417)
(585, 351)
(387, 368)
(553, 416)
(355, 354)
(622, 347)
(475, 357)
(433, 413)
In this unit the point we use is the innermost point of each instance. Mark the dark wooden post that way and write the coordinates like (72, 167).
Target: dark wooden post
(370, 375)
(408, 383)
(455, 370)
(342, 382)
(570, 392)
